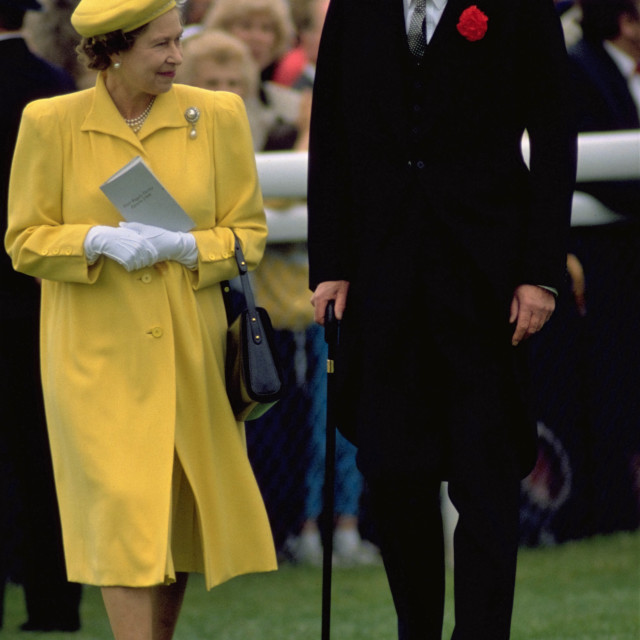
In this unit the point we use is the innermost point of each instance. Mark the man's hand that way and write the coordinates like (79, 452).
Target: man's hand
(531, 307)
(330, 290)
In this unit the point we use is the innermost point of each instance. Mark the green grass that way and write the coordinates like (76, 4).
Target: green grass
(585, 590)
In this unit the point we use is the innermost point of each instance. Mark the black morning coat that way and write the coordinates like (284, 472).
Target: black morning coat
(419, 196)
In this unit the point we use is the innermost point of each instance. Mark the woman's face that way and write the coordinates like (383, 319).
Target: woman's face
(220, 77)
(258, 32)
(150, 65)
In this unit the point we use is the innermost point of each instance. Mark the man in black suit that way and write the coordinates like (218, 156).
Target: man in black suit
(442, 251)
(30, 533)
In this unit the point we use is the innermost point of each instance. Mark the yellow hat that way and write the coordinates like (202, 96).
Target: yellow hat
(97, 17)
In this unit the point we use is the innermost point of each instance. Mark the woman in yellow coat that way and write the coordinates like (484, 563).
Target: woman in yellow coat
(151, 469)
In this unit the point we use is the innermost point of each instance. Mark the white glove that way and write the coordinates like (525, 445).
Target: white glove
(126, 247)
(170, 245)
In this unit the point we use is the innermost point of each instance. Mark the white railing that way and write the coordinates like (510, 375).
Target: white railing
(601, 156)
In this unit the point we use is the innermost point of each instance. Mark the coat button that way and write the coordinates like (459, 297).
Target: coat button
(157, 332)
(146, 278)
(420, 164)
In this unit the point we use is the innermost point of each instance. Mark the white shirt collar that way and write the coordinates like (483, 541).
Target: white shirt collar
(11, 35)
(409, 4)
(624, 62)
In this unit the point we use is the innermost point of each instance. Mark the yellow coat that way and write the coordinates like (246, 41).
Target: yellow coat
(133, 363)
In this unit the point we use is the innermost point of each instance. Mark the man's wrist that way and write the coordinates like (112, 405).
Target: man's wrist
(549, 289)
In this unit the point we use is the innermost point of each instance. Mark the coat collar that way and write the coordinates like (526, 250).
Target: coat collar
(447, 25)
(104, 116)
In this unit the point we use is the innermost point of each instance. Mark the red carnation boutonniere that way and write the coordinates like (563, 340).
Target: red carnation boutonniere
(473, 24)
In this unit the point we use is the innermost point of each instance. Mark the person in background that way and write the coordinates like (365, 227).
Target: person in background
(310, 32)
(265, 26)
(348, 545)
(570, 13)
(605, 64)
(218, 61)
(290, 65)
(215, 59)
(50, 35)
(605, 76)
(30, 536)
(443, 252)
(156, 484)
(193, 12)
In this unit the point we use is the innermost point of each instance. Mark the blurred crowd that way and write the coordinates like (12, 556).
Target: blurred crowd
(266, 51)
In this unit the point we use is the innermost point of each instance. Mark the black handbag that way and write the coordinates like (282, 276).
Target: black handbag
(253, 372)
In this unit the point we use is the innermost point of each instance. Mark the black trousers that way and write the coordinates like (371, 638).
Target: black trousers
(408, 522)
(31, 550)
(438, 393)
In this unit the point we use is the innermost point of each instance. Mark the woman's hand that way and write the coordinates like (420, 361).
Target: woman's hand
(170, 245)
(125, 246)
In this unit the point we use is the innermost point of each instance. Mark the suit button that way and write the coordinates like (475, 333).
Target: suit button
(416, 108)
(157, 332)
(420, 164)
(415, 130)
(146, 278)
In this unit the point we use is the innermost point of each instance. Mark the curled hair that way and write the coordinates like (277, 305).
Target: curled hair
(223, 14)
(221, 48)
(95, 52)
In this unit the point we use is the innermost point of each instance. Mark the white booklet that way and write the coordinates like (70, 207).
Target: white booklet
(140, 197)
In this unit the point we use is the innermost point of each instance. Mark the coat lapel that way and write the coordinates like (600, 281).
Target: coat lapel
(446, 28)
(394, 52)
(104, 116)
(446, 53)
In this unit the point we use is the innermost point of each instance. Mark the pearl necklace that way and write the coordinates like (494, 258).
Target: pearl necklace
(136, 123)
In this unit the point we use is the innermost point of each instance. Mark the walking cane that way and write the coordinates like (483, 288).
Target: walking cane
(331, 336)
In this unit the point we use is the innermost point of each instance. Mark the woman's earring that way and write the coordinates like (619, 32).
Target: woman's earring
(117, 65)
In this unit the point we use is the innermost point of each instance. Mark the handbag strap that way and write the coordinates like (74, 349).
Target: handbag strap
(256, 325)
